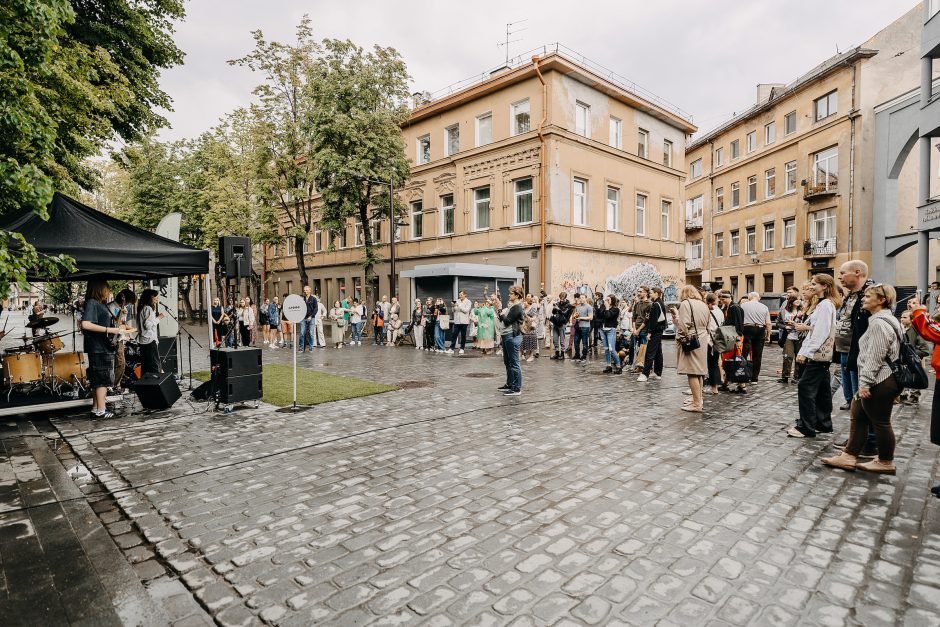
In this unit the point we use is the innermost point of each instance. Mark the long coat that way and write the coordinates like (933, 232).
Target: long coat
(696, 362)
(486, 324)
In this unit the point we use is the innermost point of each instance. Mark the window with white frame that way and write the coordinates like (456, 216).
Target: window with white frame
(751, 141)
(789, 123)
(719, 199)
(643, 144)
(582, 119)
(640, 214)
(826, 168)
(667, 153)
(750, 242)
(397, 230)
(417, 219)
(770, 183)
(522, 200)
(484, 129)
(789, 169)
(822, 224)
(452, 139)
(447, 214)
(770, 133)
(340, 235)
(579, 201)
(719, 244)
(519, 115)
(290, 245)
(719, 157)
(423, 149)
(613, 209)
(789, 233)
(317, 240)
(751, 189)
(735, 195)
(735, 243)
(665, 215)
(736, 149)
(770, 235)
(827, 105)
(481, 208)
(695, 169)
(695, 209)
(376, 226)
(616, 132)
(357, 234)
(695, 249)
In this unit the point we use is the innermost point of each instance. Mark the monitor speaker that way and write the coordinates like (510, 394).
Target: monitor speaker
(157, 391)
(235, 362)
(235, 256)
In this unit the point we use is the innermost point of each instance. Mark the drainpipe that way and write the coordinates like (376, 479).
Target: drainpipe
(542, 172)
(852, 119)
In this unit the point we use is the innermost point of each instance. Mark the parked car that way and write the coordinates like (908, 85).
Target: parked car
(670, 327)
(774, 302)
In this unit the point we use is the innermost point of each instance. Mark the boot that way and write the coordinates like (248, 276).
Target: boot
(842, 460)
(608, 369)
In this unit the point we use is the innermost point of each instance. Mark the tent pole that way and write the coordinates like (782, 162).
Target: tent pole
(208, 282)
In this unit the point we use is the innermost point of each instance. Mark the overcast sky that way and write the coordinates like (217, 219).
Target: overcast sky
(705, 56)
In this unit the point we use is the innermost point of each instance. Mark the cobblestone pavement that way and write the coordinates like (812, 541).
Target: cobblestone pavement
(590, 499)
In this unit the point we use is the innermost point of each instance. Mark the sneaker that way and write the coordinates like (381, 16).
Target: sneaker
(845, 406)
(503, 388)
(618, 370)
(461, 351)
(653, 376)
(608, 369)
(841, 445)
(449, 351)
(642, 378)
(512, 393)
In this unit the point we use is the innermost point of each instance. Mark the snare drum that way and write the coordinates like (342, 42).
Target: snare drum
(22, 368)
(67, 368)
(49, 345)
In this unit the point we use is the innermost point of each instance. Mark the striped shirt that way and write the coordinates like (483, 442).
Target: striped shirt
(876, 347)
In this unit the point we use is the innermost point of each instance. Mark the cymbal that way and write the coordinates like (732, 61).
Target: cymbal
(42, 323)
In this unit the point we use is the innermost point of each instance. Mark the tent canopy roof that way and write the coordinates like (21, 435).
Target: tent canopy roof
(103, 246)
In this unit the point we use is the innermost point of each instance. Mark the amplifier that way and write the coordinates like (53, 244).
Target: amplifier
(157, 392)
(236, 389)
(236, 362)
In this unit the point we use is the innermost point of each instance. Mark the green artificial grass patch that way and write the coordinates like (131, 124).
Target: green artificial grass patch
(313, 387)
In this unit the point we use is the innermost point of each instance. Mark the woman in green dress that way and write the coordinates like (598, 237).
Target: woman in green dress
(486, 327)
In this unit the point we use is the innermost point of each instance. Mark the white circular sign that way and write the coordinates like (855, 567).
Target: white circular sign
(295, 309)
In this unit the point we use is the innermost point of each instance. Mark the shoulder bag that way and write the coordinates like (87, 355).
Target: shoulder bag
(688, 342)
(907, 368)
(724, 338)
(738, 369)
(443, 320)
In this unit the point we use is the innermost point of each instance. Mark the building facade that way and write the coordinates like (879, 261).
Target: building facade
(785, 189)
(546, 167)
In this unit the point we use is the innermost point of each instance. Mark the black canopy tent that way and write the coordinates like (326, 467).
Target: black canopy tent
(103, 246)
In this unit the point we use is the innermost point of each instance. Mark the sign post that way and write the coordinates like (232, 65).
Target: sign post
(295, 310)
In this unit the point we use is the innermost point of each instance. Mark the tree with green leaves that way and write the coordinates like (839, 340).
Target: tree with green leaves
(359, 102)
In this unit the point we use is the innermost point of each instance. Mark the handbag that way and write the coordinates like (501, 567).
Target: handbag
(443, 321)
(907, 369)
(724, 338)
(738, 369)
(690, 343)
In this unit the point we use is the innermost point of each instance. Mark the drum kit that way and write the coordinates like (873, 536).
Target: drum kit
(39, 364)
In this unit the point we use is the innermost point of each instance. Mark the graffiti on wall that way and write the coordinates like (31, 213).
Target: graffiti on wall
(626, 284)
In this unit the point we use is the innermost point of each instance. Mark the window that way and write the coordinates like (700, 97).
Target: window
(447, 214)
(317, 240)
(523, 200)
(749, 283)
(424, 149)
(826, 105)
(770, 183)
(481, 208)
(789, 123)
(826, 168)
(735, 243)
(521, 121)
(822, 224)
(789, 169)
(751, 189)
(616, 132)
(770, 133)
(735, 195)
(750, 241)
(751, 141)
(340, 235)
(667, 153)
(640, 214)
(579, 204)
(770, 235)
(789, 233)
(582, 119)
(787, 280)
(642, 144)
(357, 234)
(768, 282)
(485, 129)
(695, 169)
(290, 245)
(417, 219)
(695, 249)
(719, 199)
(720, 245)
(736, 149)
(376, 227)
(719, 157)
(695, 210)
(452, 139)
(613, 209)
(664, 214)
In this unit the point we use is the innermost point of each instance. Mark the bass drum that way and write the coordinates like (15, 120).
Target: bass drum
(67, 368)
(22, 368)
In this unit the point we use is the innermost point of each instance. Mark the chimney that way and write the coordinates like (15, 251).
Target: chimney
(765, 90)
(420, 98)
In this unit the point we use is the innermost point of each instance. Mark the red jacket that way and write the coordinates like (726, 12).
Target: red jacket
(930, 331)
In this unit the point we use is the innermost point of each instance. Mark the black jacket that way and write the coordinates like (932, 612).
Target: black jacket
(859, 320)
(657, 310)
(734, 317)
(561, 313)
(513, 318)
(610, 318)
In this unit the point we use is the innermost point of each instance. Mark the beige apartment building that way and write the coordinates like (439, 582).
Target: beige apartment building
(784, 190)
(554, 172)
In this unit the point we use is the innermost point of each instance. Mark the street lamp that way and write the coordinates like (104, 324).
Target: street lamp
(393, 222)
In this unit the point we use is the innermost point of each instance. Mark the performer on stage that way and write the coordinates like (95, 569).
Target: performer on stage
(98, 329)
(36, 316)
(147, 321)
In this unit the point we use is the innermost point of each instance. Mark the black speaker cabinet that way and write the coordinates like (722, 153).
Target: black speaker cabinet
(236, 389)
(236, 362)
(235, 256)
(157, 392)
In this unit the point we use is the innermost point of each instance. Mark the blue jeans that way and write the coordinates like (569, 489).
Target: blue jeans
(306, 327)
(357, 331)
(511, 345)
(849, 378)
(609, 339)
(582, 336)
(439, 336)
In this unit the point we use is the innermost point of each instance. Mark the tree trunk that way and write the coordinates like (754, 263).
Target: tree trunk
(185, 286)
(301, 262)
(370, 296)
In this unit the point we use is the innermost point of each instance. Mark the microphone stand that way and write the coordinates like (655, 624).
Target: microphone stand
(191, 339)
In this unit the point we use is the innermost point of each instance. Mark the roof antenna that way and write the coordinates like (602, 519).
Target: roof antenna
(837, 48)
(509, 33)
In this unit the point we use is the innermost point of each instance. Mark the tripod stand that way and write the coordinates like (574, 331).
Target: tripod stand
(191, 339)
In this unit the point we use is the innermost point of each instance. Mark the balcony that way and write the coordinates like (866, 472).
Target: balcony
(693, 264)
(825, 189)
(694, 224)
(819, 248)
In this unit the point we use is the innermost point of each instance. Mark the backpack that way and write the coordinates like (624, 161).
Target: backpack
(907, 369)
